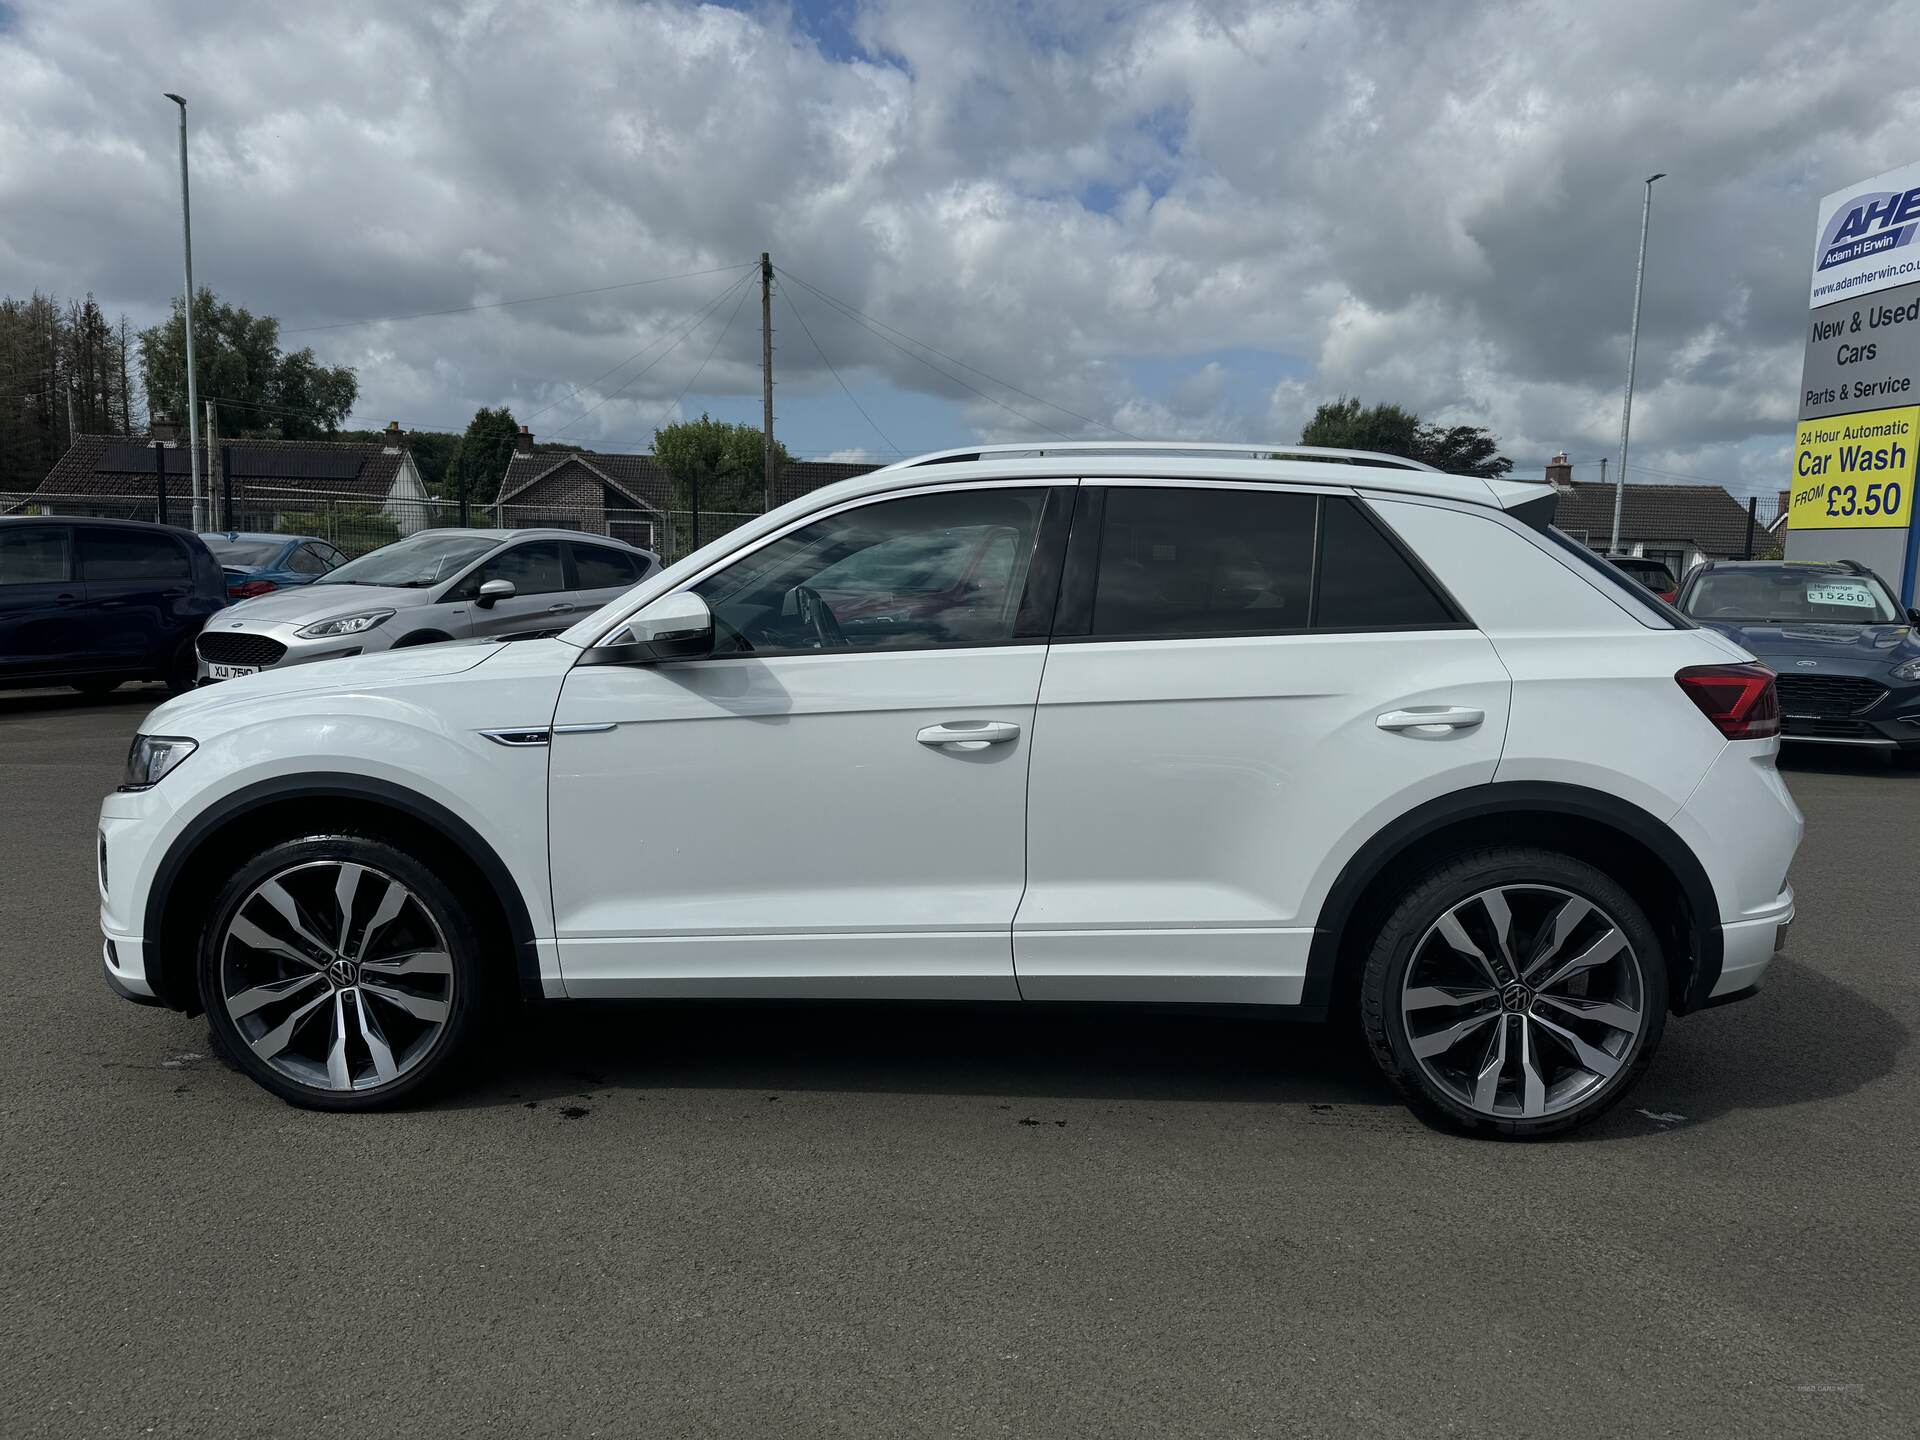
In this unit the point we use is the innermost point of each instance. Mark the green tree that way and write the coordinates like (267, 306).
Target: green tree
(1346, 424)
(260, 390)
(728, 460)
(478, 461)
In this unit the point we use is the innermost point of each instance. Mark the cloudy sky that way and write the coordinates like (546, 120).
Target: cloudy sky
(1000, 219)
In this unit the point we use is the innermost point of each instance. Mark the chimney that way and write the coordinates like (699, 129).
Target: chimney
(1560, 472)
(163, 428)
(392, 436)
(523, 442)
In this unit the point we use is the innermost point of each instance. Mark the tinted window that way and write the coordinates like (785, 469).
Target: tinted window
(1365, 582)
(330, 556)
(927, 570)
(533, 568)
(304, 562)
(1203, 562)
(33, 554)
(131, 555)
(597, 567)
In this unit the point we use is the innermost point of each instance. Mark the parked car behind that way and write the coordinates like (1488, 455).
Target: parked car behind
(1651, 573)
(437, 585)
(1847, 654)
(258, 564)
(93, 603)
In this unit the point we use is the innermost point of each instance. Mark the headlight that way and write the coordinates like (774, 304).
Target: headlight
(151, 757)
(1907, 671)
(346, 624)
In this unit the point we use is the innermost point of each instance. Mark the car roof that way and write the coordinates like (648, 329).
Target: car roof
(1846, 567)
(108, 521)
(261, 535)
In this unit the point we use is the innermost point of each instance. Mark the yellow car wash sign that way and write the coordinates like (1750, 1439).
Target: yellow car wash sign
(1855, 472)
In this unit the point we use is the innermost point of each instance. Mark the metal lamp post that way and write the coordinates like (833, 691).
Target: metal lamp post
(193, 388)
(1633, 350)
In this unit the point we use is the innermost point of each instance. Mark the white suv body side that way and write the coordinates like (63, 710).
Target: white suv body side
(1152, 817)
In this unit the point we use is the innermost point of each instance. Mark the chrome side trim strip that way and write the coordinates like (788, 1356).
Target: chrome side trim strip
(587, 728)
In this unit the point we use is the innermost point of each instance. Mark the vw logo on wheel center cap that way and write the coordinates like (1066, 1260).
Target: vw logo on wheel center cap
(1516, 998)
(343, 974)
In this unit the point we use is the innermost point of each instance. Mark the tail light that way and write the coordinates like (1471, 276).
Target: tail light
(1672, 597)
(247, 589)
(1739, 699)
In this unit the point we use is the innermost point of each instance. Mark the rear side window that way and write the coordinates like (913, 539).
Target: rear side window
(304, 561)
(33, 554)
(131, 555)
(1366, 583)
(599, 567)
(1203, 562)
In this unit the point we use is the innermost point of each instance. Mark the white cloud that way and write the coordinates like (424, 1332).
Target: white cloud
(1429, 204)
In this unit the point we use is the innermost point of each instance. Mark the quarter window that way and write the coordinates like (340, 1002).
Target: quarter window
(303, 561)
(1196, 561)
(33, 554)
(1365, 581)
(131, 555)
(919, 572)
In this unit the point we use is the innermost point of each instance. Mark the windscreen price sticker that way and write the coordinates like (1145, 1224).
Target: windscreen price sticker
(1855, 472)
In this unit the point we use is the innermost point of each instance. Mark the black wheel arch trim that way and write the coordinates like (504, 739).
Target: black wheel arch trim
(526, 959)
(1702, 967)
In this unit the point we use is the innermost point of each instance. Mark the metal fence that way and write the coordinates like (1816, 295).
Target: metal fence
(356, 525)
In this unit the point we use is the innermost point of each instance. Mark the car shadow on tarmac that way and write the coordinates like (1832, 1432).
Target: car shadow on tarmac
(42, 702)
(1058, 1052)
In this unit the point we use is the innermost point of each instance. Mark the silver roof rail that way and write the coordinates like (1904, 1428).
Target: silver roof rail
(1308, 453)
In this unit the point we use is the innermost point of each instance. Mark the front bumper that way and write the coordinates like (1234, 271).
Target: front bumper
(1890, 721)
(275, 647)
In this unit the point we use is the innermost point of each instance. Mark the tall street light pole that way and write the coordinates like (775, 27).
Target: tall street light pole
(193, 388)
(1633, 350)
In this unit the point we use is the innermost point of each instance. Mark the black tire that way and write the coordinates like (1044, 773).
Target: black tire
(184, 673)
(93, 689)
(1433, 897)
(471, 991)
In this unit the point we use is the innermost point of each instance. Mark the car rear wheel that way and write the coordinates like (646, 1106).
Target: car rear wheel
(102, 686)
(342, 974)
(1515, 992)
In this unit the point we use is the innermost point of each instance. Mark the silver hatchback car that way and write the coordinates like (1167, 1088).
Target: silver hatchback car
(436, 585)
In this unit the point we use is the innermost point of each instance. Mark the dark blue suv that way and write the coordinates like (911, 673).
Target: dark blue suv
(1847, 654)
(91, 603)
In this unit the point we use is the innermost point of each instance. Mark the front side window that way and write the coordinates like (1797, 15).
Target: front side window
(131, 555)
(33, 554)
(914, 573)
(533, 568)
(1196, 561)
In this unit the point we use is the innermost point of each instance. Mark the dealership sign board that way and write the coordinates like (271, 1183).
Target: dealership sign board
(1855, 448)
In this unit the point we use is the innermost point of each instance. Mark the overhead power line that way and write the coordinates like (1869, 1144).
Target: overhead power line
(701, 319)
(524, 300)
(669, 409)
(795, 308)
(870, 322)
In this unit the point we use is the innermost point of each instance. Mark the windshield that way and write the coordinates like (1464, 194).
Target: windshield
(1790, 594)
(244, 552)
(425, 559)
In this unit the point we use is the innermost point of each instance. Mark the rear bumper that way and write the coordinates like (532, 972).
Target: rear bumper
(1747, 948)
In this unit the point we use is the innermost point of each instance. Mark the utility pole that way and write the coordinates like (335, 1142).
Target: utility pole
(766, 380)
(193, 390)
(73, 429)
(213, 435)
(1633, 349)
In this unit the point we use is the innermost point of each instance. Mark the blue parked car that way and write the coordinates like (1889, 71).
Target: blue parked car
(256, 564)
(90, 603)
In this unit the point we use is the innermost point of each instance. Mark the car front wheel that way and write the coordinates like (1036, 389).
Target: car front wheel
(1515, 992)
(341, 973)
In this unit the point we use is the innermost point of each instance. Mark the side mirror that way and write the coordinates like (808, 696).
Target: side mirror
(1914, 616)
(674, 627)
(493, 592)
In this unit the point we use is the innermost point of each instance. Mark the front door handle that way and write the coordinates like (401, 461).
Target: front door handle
(559, 609)
(969, 734)
(1431, 720)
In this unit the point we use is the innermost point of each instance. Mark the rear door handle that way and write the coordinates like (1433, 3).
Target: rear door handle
(559, 609)
(969, 734)
(1431, 720)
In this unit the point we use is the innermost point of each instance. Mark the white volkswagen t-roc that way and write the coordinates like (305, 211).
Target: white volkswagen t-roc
(1320, 731)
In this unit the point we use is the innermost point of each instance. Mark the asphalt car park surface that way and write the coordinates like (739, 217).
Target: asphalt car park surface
(792, 1220)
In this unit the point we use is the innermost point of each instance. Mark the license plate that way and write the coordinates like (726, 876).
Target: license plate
(230, 672)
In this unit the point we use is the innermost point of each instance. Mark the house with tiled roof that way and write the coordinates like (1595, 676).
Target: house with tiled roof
(627, 496)
(124, 476)
(1679, 525)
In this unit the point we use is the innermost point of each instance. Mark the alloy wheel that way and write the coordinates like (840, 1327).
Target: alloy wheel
(336, 975)
(1523, 1001)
